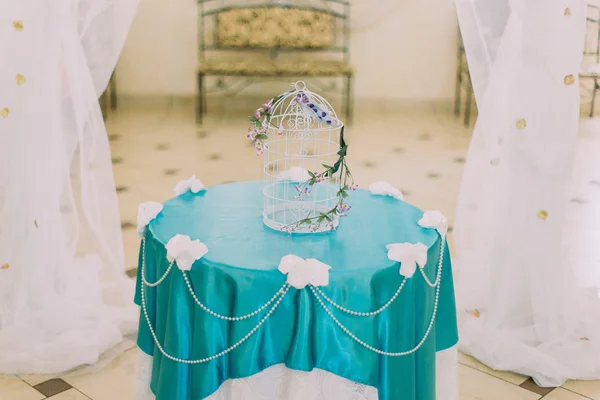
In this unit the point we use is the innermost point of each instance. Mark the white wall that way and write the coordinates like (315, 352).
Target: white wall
(401, 49)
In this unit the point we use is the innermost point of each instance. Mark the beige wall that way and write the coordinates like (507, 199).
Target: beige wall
(406, 50)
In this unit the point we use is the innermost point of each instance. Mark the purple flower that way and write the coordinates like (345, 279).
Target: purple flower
(280, 133)
(343, 208)
(307, 192)
(298, 188)
(258, 114)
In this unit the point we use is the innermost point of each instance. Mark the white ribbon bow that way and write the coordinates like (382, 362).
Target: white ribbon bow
(385, 189)
(301, 272)
(435, 220)
(185, 251)
(409, 256)
(189, 185)
(146, 213)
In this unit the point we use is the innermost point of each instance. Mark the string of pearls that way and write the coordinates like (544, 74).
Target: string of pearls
(440, 262)
(191, 290)
(391, 300)
(378, 351)
(363, 314)
(222, 353)
(211, 312)
(162, 278)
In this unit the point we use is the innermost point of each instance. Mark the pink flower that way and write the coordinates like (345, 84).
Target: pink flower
(257, 114)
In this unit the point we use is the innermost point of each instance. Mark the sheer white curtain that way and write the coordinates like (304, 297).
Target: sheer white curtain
(519, 305)
(64, 298)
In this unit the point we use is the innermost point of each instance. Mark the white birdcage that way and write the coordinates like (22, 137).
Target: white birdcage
(303, 139)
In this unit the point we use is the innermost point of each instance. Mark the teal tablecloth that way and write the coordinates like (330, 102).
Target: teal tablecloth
(239, 274)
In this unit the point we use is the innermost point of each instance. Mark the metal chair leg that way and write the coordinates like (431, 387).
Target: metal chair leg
(468, 108)
(113, 92)
(348, 103)
(457, 94)
(200, 99)
(594, 91)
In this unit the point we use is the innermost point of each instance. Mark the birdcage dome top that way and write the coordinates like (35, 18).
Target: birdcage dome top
(301, 110)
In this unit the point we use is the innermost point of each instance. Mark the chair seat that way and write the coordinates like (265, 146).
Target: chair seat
(276, 68)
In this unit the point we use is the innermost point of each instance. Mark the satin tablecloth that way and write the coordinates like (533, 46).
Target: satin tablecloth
(239, 274)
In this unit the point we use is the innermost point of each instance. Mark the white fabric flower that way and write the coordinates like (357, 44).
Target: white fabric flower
(295, 174)
(409, 256)
(435, 220)
(385, 189)
(146, 213)
(185, 251)
(303, 272)
(189, 185)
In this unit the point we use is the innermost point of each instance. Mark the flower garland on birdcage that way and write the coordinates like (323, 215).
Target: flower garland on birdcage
(258, 133)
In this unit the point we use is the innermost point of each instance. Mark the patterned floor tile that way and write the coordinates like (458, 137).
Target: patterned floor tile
(71, 394)
(530, 385)
(16, 389)
(510, 377)
(476, 385)
(589, 389)
(562, 394)
(52, 387)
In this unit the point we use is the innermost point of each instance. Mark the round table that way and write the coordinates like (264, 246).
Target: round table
(300, 347)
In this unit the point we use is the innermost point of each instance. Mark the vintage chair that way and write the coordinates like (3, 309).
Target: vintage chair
(274, 40)
(463, 82)
(591, 56)
(108, 100)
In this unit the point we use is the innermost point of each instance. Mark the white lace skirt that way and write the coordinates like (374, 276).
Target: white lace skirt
(281, 383)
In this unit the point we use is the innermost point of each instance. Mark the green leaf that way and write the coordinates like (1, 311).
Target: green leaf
(312, 175)
(344, 195)
(262, 136)
(252, 119)
(326, 166)
(336, 167)
(258, 124)
(343, 151)
(321, 219)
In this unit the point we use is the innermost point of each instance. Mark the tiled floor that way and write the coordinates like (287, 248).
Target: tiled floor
(421, 151)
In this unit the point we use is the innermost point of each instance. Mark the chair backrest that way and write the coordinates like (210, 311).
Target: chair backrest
(275, 27)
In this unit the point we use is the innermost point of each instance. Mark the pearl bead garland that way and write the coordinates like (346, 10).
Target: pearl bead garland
(362, 314)
(440, 262)
(162, 278)
(214, 314)
(222, 353)
(391, 300)
(191, 290)
(387, 353)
